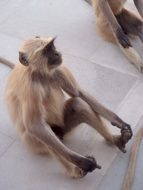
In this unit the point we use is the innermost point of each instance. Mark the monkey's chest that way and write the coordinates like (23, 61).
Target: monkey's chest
(54, 106)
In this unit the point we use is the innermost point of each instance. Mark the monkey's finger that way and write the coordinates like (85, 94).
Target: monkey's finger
(98, 167)
(123, 39)
(94, 160)
(122, 147)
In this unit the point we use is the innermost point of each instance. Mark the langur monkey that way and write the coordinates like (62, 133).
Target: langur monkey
(42, 115)
(115, 24)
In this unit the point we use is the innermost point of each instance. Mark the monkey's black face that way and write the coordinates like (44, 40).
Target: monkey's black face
(54, 57)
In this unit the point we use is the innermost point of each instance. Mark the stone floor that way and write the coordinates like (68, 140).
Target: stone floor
(99, 67)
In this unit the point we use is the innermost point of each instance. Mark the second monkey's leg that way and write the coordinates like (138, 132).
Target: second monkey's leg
(130, 23)
(118, 34)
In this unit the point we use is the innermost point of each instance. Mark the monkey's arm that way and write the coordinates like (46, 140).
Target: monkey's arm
(102, 110)
(70, 86)
(116, 28)
(139, 5)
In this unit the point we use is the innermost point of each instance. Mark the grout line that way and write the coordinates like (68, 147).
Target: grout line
(128, 94)
(117, 70)
(3, 133)
(2, 154)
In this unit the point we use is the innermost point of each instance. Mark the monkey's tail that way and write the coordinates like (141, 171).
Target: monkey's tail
(7, 62)
(128, 179)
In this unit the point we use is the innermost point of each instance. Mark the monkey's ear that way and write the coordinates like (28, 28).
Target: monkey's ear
(49, 45)
(52, 41)
(23, 59)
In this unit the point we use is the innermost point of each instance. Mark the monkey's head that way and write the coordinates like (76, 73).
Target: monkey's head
(40, 53)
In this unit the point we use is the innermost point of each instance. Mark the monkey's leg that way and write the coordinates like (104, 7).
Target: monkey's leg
(78, 111)
(130, 23)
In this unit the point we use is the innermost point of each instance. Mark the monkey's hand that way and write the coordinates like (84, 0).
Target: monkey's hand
(122, 38)
(91, 158)
(87, 164)
(126, 135)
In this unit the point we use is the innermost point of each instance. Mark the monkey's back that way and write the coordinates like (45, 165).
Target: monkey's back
(15, 91)
(20, 89)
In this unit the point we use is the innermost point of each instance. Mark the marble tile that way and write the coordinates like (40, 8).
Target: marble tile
(5, 143)
(106, 84)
